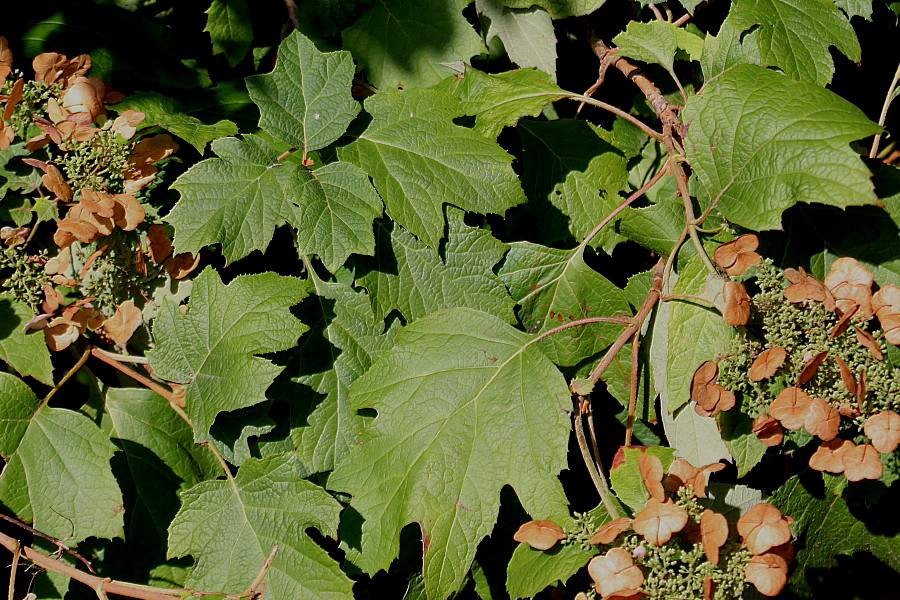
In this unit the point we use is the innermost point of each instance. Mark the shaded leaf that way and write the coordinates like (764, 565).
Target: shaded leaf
(558, 9)
(527, 34)
(230, 28)
(24, 351)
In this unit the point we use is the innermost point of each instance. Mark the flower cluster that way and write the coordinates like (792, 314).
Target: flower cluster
(810, 358)
(675, 549)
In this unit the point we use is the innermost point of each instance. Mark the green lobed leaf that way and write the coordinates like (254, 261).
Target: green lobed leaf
(210, 347)
(553, 287)
(860, 8)
(306, 99)
(465, 406)
(417, 280)
(401, 43)
(530, 571)
(50, 454)
(237, 199)
(246, 519)
(169, 114)
(571, 165)
(558, 9)
(230, 28)
(795, 35)
(696, 439)
(728, 49)
(756, 157)
(526, 34)
(656, 227)
(625, 476)
(744, 446)
(498, 101)
(657, 42)
(336, 208)
(419, 160)
(26, 352)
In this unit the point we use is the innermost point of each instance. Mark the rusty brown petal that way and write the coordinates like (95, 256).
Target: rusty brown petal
(540, 535)
(768, 573)
(763, 527)
(737, 304)
(791, 407)
(713, 533)
(768, 430)
(767, 363)
(862, 462)
(659, 520)
(651, 470)
(822, 420)
(614, 572)
(608, 532)
(810, 367)
(884, 430)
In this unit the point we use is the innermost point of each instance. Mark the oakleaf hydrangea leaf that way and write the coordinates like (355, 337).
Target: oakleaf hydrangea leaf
(401, 43)
(795, 35)
(210, 347)
(266, 504)
(527, 35)
(169, 114)
(336, 210)
(417, 280)
(237, 199)
(570, 165)
(57, 473)
(498, 101)
(350, 344)
(757, 158)
(419, 160)
(306, 100)
(657, 42)
(26, 352)
(230, 28)
(465, 406)
(558, 9)
(860, 8)
(553, 287)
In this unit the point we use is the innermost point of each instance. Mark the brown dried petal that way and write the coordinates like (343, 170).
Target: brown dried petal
(830, 455)
(608, 532)
(15, 94)
(56, 183)
(122, 325)
(681, 473)
(738, 255)
(846, 375)
(651, 470)
(866, 339)
(181, 265)
(713, 534)
(886, 304)
(128, 211)
(810, 367)
(159, 245)
(540, 535)
(96, 202)
(822, 420)
(737, 304)
(884, 430)
(851, 284)
(791, 407)
(767, 363)
(806, 287)
(153, 149)
(763, 527)
(862, 462)
(68, 230)
(85, 96)
(126, 123)
(13, 236)
(59, 264)
(659, 520)
(768, 573)
(615, 571)
(768, 430)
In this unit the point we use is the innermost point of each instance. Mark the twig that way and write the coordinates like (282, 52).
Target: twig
(596, 475)
(292, 12)
(601, 76)
(165, 393)
(632, 388)
(14, 568)
(618, 111)
(884, 110)
(250, 591)
(67, 376)
(122, 588)
(127, 358)
(686, 16)
(580, 322)
(57, 542)
(656, 12)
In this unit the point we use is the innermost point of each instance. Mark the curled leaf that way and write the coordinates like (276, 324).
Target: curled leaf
(767, 363)
(608, 532)
(763, 527)
(822, 420)
(614, 572)
(713, 534)
(830, 455)
(657, 521)
(768, 429)
(540, 535)
(862, 462)
(738, 255)
(884, 430)
(737, 304)
(791, 407)
(768, 573)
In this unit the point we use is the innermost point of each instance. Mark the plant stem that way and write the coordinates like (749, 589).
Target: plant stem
(152, 385)
(884, 110)
(632, 388)
(67, 376)
(55, 541)
(596, 475)
(580, 322)
(262, 572)
(618, 111)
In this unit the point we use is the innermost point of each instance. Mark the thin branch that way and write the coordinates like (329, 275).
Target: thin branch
(580, 322)
(656, 12)
(165, 393)
(121, 588)
(56, 542)
(686, 16)
(884, 110)
(127, 358)
(596, 475)
(250, 591)
(14, 568)
(632, 388)
(67, 376)
(618, 111)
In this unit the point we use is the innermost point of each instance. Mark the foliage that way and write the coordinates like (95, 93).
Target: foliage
(374, 296)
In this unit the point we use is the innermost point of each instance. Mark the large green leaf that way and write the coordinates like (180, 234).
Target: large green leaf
(26, 352)
(530, 571)
(465, 406)
(829, 527)
(795, 35)
(237, 199)
(498, 101)
(419, 160)
(306, 100)
(553, 287)
(558, 9)
(571, 165)
(417, 280)
(338, 349)
(230, 528)
(527, 35)
(336, 208)
(210, 347)
(230, 29)
(657, 42)
(757, 157)
(57, 473)
(401, 43)
(169, 114)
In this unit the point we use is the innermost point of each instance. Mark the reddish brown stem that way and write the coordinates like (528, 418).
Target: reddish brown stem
(152, 385)
(632, 391)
